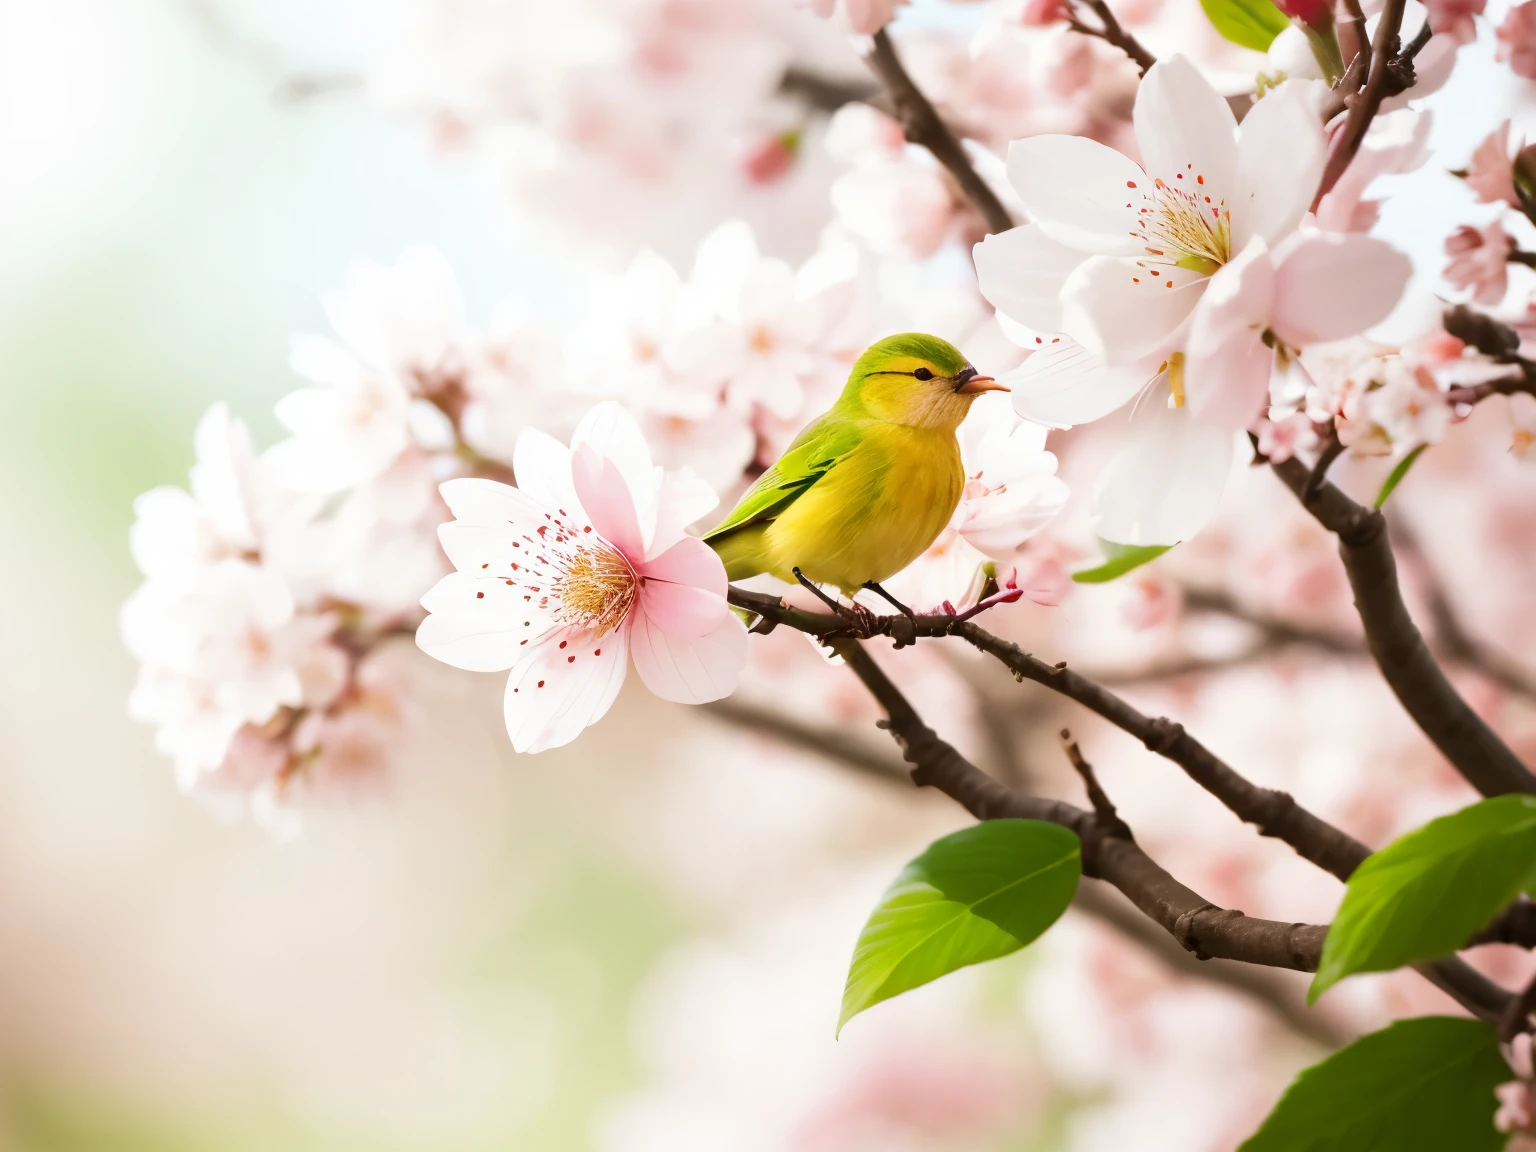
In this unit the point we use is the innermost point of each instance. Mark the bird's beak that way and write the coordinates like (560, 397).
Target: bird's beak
(969, 383)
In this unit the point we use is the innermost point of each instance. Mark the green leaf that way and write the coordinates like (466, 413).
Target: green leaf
(977, 895)
(1396, 476)
(1251, 23)
(1118, 560)
(1423, 1085)
(1424, 894)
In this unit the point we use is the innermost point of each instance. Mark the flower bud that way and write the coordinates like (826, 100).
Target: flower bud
(1317, 14)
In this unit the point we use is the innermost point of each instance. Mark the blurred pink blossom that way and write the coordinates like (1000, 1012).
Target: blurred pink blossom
(1453, 18)
(1517, 40)
(1490, 172)
(1479, 261)
(864, 17)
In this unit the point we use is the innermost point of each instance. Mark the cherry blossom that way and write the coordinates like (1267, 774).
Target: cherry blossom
(585, 566)
(1395, 143)
(864, 17)
(1479, 261)
(1517, 40)
(897, 198)
(1490, 171)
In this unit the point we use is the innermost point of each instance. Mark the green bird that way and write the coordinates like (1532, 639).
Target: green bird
(866, 487)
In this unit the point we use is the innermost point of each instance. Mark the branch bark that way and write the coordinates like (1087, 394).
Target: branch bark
(923, 125)
(1113, 33)
(1397, 645)
(1363, 107)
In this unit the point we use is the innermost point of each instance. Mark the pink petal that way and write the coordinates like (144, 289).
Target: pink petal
(606, 499)
(682, 499)
(562, 685)
(690, 669)
(682, 591)
(1328, 287)
(612, 433)
(1122, 312)
(1226, 365)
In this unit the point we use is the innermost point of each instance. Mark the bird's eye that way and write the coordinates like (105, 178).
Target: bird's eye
(923, 374)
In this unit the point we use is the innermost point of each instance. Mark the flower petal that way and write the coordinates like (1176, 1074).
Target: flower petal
(1021, 272)
(543, 468)
(489, 503)
(683, 498)
(607, 500)
(1185, 128)
(1226, 363)
(1328, 287)
(999, 524)
(690, 669)
(1280, 156)
(1121, 311)
(683, 590)
(564, 684)
(1064, 384)
(479, 625)
(1078, 191)
(610, 431)
(1166, 481)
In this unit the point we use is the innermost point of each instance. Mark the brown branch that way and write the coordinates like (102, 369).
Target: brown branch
(1111, 32)
(1517, 1017)
(1348, 84)
(1272, 812)
(923, 125)
(1397, 645)
(1103, 807)
(1269, 990)
(822, 92)
(1196, 923)
(1363, 107)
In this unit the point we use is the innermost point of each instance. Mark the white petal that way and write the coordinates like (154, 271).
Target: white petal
(690, 669)
(555, 692)
(478, 624)
(1328, 287)
(1166, 480)
(1079, 192)
(490, 503)
(1184, 126)
(1064, 384)
(543, 468)
(1226, 364)
(1021, 272)
(683, 499)
(1280, 156)
(1121, 311)
(1000, 523)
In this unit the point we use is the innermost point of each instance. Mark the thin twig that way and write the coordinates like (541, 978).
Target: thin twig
(1362, 109)
(1103, 806)
(1112, 32)
(1517, 1016)
(923, 125)
(1331, 451)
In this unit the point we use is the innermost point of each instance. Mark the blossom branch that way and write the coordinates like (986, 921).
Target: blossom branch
(1274, 813)
(1397, 645)
(1111, 32)
(1198, 925)
(1267, 989)
(1364, 105)
(923, 125)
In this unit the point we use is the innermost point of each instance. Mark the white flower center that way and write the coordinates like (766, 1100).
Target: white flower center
(583, 580)
(1184, 226)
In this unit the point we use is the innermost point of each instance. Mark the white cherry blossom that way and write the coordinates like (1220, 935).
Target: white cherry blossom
(583, 567)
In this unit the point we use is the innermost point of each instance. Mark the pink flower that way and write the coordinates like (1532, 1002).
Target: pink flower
(1279, 440)
(1453, 18)
(585, 564)
(1490, 172)
(1517, 40)
(866, 17)
(1041, 12)
(1517, 1108)
(1314, 13)
(1479, 261)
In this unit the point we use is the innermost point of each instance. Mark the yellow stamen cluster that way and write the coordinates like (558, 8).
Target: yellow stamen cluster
(595, 587)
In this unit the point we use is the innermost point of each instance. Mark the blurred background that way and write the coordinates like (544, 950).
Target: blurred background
(633, 943)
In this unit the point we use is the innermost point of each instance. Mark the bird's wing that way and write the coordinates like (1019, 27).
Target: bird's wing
(807, 460)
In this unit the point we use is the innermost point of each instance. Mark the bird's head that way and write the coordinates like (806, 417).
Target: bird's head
(918, 380)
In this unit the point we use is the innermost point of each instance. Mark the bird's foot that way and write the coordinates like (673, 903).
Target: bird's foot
(874, 587)
(862, 619)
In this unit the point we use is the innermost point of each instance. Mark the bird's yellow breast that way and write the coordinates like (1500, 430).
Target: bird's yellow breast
(875, 512)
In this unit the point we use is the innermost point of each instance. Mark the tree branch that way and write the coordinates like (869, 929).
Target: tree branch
(1197, 924)
(1269, 990)
(1363, 107)
(923, 125)
(1111, 32)
(1397, 645)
